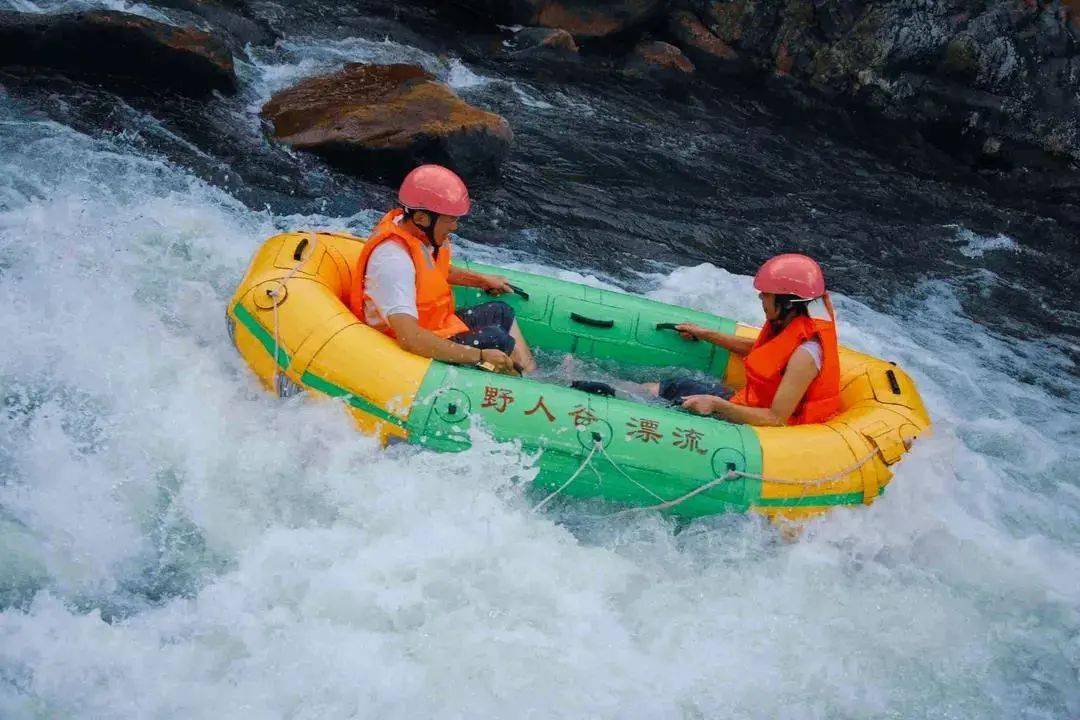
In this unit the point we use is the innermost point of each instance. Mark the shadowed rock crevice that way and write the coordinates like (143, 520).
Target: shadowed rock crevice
(118, 49)
(994, 82)
(583, 19)
(998, 82)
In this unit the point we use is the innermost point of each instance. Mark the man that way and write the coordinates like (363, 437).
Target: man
(403, 278)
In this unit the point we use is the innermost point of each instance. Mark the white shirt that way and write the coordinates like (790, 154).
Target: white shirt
(390, 282)
(816, 352)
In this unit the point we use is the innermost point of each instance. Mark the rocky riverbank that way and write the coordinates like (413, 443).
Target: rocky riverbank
(995, 84)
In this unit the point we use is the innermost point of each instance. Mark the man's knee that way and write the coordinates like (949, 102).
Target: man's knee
(502, 315)
(490, 337)
(495, 312)
(498, 339)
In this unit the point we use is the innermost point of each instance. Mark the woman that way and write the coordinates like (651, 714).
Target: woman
(792, 367)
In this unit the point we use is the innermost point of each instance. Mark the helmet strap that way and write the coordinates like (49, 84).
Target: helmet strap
(789, 309)
(429, 231)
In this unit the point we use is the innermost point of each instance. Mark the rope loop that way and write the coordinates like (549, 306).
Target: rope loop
(278, 297)
(598, 446)
(736, 474)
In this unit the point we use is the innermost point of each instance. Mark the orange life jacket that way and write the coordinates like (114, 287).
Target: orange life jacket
(769, 357)
(434, 298)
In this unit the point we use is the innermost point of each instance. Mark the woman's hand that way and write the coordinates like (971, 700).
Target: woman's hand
(701, 404)
(495, 284)
(690, 331)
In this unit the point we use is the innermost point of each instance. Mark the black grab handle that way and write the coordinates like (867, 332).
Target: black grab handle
(299, 252)
(671, 326)
(517, 291)
(894, 385)
(593, 322)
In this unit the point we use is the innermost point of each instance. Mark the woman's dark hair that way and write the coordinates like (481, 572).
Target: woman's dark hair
(791, 305)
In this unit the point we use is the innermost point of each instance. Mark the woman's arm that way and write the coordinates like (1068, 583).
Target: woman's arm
(800, 372)
(739, 345)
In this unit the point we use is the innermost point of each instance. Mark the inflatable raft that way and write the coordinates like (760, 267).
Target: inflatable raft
(289, 321)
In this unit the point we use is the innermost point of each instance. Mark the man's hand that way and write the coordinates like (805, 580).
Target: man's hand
(700, 404)
(495, 285)
(690, 331)
(501, 362)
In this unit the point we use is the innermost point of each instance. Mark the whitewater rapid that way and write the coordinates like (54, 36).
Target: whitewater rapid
(175, 543)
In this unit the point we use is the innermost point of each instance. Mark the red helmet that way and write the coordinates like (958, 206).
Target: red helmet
(435, 189)
(791, 274)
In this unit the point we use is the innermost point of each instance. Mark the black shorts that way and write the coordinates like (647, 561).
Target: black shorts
(676, 389)
(489, 326)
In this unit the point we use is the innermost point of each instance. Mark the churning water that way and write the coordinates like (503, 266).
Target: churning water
(175, 543)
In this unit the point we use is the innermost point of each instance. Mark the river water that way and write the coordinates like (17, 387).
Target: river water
(176, 544)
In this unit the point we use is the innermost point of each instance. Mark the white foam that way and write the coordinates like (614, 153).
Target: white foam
(974, 245)
(257, 558)
(71, 6)
(528, 100)
(458, 76)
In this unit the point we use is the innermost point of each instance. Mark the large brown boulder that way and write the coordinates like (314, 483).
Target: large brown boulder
(543, 43)
(581, 18)
(658, 61)
(704, 48)
(380, 121)
(117, 48)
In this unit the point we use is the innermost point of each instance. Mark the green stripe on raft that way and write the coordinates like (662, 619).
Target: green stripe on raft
(260, 333)
(854, 498)
(325, 386)
(311, 380)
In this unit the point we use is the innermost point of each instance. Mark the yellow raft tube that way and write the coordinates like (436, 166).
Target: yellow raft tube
(289, 320)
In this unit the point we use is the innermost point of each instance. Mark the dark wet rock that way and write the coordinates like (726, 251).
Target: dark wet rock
(996, 79)
(581, 18)
(118, 49)
(658, 61)
(380, 121)
(707, 51)
(232, 18)
(540, 43)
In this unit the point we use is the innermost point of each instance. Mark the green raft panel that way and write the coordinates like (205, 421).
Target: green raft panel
(650, 454)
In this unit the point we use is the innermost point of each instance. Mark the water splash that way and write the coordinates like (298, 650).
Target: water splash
(176, 543)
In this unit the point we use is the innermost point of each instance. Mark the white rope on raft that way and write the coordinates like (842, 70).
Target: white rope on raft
(733, 474)
(584, 464)
(726, 477)
(274, 294)
(627, 476)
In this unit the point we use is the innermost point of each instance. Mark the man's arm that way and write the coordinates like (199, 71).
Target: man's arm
(417, 340)
(494, 284)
